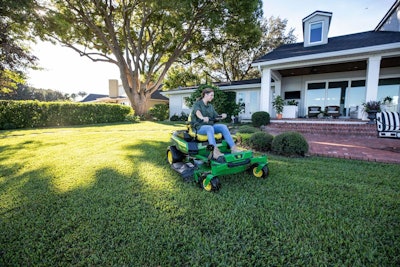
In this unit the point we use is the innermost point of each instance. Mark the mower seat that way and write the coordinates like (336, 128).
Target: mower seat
(200, 137)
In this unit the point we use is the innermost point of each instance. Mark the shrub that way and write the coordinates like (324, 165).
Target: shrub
(159, 112)
(247, 129)
(290, 144)
(243, 138)
(260, 118)
(174, 118)
(261, 141)
(184, 116)
(131, 117)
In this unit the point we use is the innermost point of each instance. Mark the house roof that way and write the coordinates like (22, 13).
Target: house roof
(339, 43)
(221, 85)
(93, 97)
(158, 96)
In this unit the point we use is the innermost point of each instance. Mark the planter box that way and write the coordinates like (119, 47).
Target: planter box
(290, 112)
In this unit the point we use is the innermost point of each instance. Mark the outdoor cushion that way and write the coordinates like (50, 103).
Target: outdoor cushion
(388, 121)
(388, 124)
(202, 137)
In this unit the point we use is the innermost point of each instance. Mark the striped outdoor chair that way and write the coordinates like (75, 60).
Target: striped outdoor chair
(388, 124)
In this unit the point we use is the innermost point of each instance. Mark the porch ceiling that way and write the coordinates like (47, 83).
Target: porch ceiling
(339, 67)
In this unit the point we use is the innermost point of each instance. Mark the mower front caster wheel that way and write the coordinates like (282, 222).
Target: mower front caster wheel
(213, 185)
(263, 173)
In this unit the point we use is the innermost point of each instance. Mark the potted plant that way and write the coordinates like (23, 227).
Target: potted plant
(387, 103)
(388, 100)
(290, 110)
(278, 106)
(292, 102)
(372, 107)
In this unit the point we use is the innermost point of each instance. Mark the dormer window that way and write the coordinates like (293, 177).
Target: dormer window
(316, 28)
(316, 32)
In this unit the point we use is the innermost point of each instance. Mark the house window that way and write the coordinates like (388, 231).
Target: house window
(355, 94)
(184, 106)
(292, 95)
(389, 88)
(316, 32)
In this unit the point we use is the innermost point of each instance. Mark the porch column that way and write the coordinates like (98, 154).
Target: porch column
(265, 90)
(373, 68)
(276, 76)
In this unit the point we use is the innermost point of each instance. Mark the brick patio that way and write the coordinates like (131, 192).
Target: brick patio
(342, 139)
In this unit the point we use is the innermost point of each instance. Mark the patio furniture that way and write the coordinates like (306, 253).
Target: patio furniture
(333, 111)
(353, 112)
(314, 111)
(388, 124)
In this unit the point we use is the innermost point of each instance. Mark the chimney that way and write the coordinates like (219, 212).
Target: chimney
(113, 88)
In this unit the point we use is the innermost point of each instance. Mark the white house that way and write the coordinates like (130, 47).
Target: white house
(343, 71)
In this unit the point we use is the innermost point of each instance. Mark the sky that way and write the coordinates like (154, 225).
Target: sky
(66, 71)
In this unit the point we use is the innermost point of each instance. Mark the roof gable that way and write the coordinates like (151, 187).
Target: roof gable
(391, 20)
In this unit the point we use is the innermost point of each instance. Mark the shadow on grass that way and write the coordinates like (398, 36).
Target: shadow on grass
(134, 219)
(118, 220)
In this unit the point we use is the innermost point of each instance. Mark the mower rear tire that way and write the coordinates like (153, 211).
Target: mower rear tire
(174, 155)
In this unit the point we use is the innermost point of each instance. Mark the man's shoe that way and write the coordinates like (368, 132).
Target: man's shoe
(217, 153)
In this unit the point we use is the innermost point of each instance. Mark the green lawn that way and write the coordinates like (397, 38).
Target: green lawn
(104, 196)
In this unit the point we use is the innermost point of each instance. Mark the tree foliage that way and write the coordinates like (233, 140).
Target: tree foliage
(224, 102)
(15, 55)
(145, 37)
(231, 60)
(24, 92)
(181, 77)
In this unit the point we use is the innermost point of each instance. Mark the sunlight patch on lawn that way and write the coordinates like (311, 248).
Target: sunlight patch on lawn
(155, 177)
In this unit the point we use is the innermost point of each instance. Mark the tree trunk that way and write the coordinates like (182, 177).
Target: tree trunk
(138, 93)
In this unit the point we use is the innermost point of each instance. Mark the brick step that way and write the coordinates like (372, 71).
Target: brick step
(366, 130)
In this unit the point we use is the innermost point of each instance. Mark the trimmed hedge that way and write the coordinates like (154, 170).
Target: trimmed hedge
(290, 144)
(31, 114)
(261, 141)
(248, 129)
(260, 118)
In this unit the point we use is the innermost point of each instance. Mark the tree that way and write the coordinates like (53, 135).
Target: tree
(24, 92)
(145, 37)
(15, 56)
(224, 102)
(82, 94)
(231, 61)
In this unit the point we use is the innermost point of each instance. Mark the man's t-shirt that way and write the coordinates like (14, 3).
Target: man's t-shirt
(206, 110)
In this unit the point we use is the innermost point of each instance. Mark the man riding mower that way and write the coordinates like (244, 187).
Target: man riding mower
(194, 157)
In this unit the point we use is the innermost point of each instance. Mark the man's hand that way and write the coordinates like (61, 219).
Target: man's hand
(223, 115)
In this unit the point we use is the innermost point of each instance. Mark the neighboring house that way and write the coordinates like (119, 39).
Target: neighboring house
(343, 71)
(117, 95)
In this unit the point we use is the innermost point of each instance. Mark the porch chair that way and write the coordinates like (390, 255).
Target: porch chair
(388, 124)
(333, 111)
(314, 111)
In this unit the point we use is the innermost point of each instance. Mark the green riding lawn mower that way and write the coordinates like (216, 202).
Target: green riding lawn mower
(190, 154)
